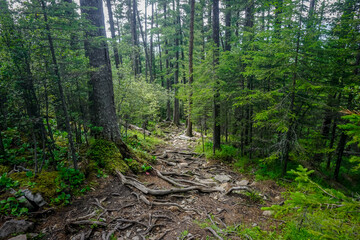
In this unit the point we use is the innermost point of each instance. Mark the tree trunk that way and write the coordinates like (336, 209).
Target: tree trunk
(60, 87)
(216, 106)
(112, 30)
(101, 78)
(168, 103)
(176, 113)
(291, 115)
(152, 63)
(228, 25)
(191, 77)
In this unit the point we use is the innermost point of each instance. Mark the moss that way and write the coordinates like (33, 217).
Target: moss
(45, 183)
(4, 169)
(133, 165)
(106, 155)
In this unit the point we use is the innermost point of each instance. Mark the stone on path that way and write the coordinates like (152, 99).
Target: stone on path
(14, 226)
(182, 165)
(19, 237)
(222, 178)
(267, 213)
(243, 182)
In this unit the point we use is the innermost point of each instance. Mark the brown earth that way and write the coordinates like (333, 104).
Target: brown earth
(116, 209)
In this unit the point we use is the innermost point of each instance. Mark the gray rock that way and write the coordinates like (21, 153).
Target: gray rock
(36, 198)
(15, 226)
(267, 213)
(25, 203)
(243, 182)
(19, 237)
(182, 165)
(136, 238)
(222, 178)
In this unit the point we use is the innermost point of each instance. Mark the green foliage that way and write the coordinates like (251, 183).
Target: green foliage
(12, 206)
(227, 153)
(317, 213)
(7, 183)
(145, 167)
(69, 178)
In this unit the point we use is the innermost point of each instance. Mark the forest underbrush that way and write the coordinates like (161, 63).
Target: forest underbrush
(314, 207)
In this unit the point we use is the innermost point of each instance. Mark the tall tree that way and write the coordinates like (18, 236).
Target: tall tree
(191, 77)
(102, 93)
(113, 37)
(216, 106)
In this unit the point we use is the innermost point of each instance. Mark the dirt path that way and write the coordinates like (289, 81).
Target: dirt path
(127, 213)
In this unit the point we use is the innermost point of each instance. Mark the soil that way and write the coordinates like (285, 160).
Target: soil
(123, 213)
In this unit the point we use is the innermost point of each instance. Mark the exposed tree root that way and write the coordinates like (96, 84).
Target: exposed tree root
(243, 188)
(145, 190)
(214, 233)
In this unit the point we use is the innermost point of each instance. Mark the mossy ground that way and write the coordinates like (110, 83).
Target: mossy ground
(44, 183)
(106, 155)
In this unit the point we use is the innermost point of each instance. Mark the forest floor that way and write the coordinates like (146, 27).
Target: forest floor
(120, 211)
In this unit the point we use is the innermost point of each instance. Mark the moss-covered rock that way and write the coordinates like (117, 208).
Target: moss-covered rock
(45, 183)
(106, 155)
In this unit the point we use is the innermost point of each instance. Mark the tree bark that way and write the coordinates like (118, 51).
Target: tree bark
(113, 37)
(101, 78)
(216, 106)
(191, 77)
(176, 113)
(60, 87)
(228, 25)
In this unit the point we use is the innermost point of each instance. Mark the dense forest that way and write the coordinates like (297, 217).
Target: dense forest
(270, 88)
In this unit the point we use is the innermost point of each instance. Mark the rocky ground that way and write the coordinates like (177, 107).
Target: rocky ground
(172, 201)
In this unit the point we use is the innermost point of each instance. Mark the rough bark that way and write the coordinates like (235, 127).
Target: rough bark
(216, 103)
(191, 77)
(176, 111)
(102, 92)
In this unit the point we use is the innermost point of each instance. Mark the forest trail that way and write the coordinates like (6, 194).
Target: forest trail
(127, 213)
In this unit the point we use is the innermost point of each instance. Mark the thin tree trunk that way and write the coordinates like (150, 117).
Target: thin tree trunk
(191, 77)
(176, 113)
(216, 106)
(60, 87)
(228, 25)
(112, 30)
(285, 156)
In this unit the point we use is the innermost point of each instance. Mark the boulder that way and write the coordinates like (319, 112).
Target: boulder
(15, 226)
(222, 178)
(35, 198)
